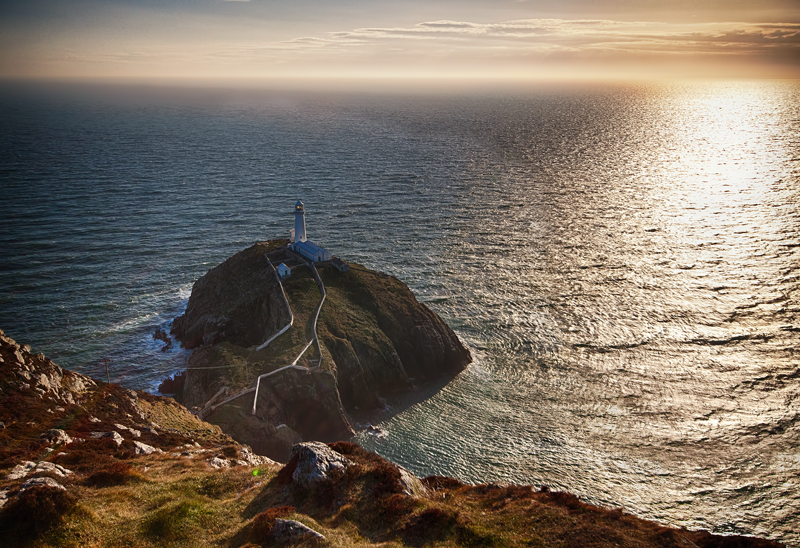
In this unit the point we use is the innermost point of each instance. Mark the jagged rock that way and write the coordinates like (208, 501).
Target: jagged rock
(252, 459)
(315, 462)
(215, 313)
(3, 498)
(135, 433)
(45, 467)
(56, 436)
(114, 435)
(41, 482)
(21, 470)
(411, 483)
(289, 531)
(218, 462)
(144, 449)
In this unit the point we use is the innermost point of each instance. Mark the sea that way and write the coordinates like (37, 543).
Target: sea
(622, 259)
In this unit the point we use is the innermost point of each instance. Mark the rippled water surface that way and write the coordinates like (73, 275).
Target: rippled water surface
(624, 262)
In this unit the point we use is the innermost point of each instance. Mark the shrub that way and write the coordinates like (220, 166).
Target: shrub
(88, 456)
(263, 522)
(441, 482)
(396, 506)
(431, 524)
(566, 500)
(115, 473)
(33, 512)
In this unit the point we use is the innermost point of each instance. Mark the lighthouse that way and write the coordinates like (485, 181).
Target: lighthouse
(300, 242)
(299, 222)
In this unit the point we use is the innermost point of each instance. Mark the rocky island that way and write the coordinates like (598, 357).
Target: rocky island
(367, 339)
(86, 463)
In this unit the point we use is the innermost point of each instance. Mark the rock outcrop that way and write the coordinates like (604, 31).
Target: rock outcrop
(238, 301)
(375, 340)
(51, 411)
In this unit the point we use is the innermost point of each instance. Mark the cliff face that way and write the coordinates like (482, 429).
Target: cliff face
(43, 405)
(375, 340)
(238, 301)
(381, 338)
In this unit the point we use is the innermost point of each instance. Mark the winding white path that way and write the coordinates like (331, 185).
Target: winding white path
(293, 365)
(285, 300)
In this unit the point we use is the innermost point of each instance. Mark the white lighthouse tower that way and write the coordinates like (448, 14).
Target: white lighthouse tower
(299, 222)
(300, 242)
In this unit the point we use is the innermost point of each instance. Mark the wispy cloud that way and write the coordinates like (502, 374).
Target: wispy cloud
(578, 33)
(467, 48)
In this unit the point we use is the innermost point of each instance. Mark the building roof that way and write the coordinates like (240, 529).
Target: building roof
(310, 246)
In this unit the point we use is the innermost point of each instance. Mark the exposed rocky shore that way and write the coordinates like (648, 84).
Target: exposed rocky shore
(85, 463)
(375, 340)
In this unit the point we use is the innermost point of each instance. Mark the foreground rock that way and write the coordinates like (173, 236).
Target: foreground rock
(375, 340)
(315, 463)
(289, 531)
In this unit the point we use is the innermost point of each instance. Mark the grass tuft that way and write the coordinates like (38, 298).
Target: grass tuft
(176, 521)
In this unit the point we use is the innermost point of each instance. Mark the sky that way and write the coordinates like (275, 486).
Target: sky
(396, 40)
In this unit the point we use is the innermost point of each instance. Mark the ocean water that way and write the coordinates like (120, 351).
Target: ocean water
(623, 261)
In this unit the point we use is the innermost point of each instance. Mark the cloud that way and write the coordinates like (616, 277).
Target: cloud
(575, 37)
(447, 47)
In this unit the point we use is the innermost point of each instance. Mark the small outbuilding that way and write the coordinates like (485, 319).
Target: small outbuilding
(340, 265)
(284, 271)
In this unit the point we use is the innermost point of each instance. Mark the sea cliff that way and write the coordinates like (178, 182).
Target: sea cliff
(374, 340)
(85, 463)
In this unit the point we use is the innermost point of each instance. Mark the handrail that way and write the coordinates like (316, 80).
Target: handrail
(294, 365)
(319, 309)
(258, 380)
(285, 300)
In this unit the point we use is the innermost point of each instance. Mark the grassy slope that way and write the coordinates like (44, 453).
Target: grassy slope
(180, 501)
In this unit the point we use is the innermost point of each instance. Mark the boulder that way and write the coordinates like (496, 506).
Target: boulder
(144, 449)
(412, 485)
(41, 482)
(56, 436)
(315, 462)
(135, 433)
(21, 470)
(51, 468)
(113, 435)
(219, 462)
(289, 531)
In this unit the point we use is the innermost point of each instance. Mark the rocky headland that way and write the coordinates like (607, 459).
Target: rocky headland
(86, 463)
(375, 340)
